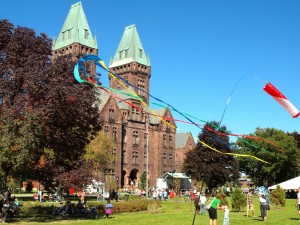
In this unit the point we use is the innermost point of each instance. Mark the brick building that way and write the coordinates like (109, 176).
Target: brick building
(134, 132)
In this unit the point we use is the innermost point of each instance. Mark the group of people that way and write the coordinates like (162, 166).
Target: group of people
(9, 207)
(264, 200)
(212, 208)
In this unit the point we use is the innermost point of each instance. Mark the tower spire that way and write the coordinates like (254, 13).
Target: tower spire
(130, 49)
(75, 30)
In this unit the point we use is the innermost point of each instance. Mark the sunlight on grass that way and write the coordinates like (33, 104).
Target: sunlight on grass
(179, 214)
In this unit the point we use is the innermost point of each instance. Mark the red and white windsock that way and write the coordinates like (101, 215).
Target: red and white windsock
(282, 100)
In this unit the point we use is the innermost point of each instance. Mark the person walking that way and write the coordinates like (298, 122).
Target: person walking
(203, 204)
(263, 207)
(250, 205)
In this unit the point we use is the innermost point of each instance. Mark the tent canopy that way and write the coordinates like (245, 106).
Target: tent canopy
(292, 184)
(175, 175)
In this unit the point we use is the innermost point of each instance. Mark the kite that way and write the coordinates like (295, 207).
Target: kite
(282, 100)
(98, 62)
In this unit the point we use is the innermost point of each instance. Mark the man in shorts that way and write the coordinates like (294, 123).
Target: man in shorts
(250, 205)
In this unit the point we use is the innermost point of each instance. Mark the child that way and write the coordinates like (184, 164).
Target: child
(226, 215)
(108, 208)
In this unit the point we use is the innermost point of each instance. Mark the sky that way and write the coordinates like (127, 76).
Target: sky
(209, 58)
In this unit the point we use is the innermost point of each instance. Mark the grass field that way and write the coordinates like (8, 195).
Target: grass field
(178, 214)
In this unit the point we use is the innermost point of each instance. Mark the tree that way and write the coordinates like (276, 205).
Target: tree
(46, 117)
(143, 181)
(100, 151)
(212, 167)
(238, 199)
(278, 196)
(277, 148)
(21, 65)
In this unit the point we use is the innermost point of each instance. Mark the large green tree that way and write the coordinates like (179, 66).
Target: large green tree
(274, 146)
(205, 164)
(46, 117)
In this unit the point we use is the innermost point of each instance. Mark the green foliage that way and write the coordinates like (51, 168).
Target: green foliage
(100, 150)
(202, 163)
(143, 181)
(278, 196)
(276, 147)
(238, 199)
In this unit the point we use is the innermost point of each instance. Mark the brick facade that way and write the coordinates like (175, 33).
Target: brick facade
(126, 124)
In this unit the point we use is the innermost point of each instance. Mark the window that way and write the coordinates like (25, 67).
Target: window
(111, 115)
(137, 115)
(135, 137)
(124, 116)
(69, 33)
(135, 157)
(63, 35)
(141, 53)
(164, 159)
(106, 129)
(86, 34)
(141, 86)
(126, 53)
(114, 155)
(132, 113)
(168, 129)
(164, 140)
(120, 54)
(114, 133)
(170, 141)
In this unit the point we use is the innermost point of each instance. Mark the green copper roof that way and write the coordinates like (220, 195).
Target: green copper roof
(130, 49)
(75, 29)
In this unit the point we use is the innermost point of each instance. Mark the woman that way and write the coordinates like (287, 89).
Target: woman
(212, 211)
(263, 207)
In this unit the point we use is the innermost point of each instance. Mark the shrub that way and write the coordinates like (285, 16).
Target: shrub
(238, 199)
(278, 196)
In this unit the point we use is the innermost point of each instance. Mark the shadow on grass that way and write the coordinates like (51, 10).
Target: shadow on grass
(48, 218)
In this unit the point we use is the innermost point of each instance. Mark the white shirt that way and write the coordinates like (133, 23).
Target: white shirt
(298, 197)
(226, 213)
(203, 200)
(262, 200)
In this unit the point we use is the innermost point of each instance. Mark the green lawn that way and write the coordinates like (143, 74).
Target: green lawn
(169, 214)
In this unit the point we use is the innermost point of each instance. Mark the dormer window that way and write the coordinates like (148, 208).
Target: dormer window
(120, 54)
(63, 35)
(69, 33)
(141, 53)
(86, 34)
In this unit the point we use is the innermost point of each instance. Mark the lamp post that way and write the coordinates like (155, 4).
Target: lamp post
(117, 178)
(173, 178)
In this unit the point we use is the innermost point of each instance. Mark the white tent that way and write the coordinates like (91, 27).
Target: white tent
(292, 184)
